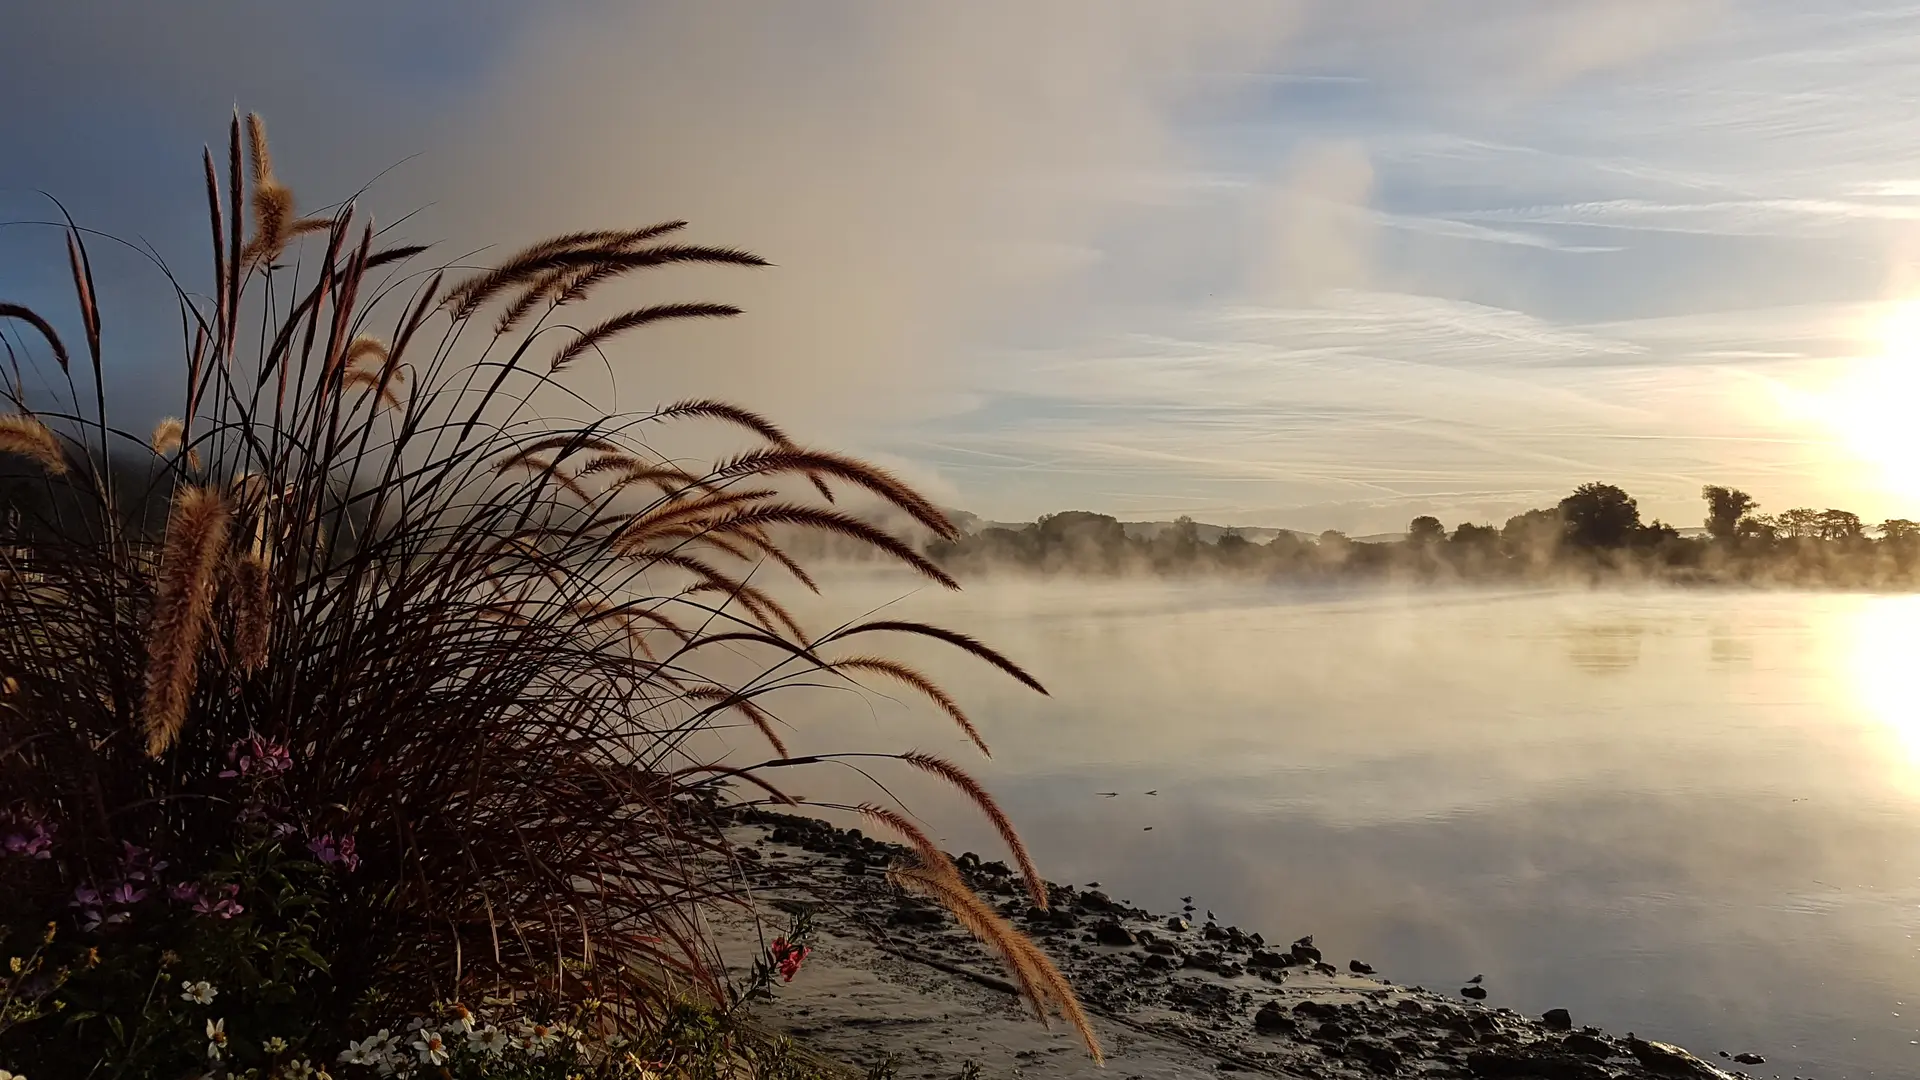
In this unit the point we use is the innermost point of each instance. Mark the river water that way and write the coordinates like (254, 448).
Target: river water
(1690, 814)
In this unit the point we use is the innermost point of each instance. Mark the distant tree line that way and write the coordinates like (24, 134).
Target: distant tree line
(1595, 533)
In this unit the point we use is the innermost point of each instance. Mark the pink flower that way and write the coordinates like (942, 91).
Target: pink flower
(30, 838)
(138, 864)
(254, 755)
(220, 903)
(330, 852)
(184, 891)
(87, 896)
(788, 957)
(126, 894)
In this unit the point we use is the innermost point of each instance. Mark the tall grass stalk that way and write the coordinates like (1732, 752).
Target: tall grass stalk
(495, 645)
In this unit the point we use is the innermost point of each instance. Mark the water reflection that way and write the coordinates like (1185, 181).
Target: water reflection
(1885, 664)
(1605, 648)
(1713, 842)
(1728, 646)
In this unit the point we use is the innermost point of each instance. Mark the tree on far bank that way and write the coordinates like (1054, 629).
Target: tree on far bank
(1838, 525)
(1534, 536)
(1425, 531)
(1600, 516)
(1801, 522)
(1725, 508)
(1469, 535)
(1899, 531)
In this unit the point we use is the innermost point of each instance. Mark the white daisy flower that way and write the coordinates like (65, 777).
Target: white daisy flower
(489, 1040)
(200, 993)
(460, 1017)
(431, 1048)
(368, 1051)
(216, 1038)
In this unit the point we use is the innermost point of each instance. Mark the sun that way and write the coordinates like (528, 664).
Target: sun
(1872, 406)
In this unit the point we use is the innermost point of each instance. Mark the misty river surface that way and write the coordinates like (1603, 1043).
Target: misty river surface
(1690, 814)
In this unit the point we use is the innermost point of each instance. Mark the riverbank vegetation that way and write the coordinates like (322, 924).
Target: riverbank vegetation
(1596, 533)
(365, 719)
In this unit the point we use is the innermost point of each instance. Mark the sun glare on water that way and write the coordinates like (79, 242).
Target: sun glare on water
(1885, 649)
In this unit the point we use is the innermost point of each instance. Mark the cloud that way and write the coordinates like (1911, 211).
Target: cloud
(914, 171)
(1315, 234)
(1254, 255)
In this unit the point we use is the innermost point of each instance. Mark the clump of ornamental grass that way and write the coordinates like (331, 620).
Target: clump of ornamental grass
(360, 641)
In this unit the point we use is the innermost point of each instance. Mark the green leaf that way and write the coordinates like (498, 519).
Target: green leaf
(119, 1030)
(305, 952)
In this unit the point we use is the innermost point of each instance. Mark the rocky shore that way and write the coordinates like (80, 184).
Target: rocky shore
(893, 977)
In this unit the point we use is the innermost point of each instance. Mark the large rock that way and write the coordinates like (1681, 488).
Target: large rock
(1271, 1020)
(1591, 1045)
(1098, 903)
(1557, 1020)
(1379, 1055)
(1112, 933)
(1665, 1059)
(1317, 1010)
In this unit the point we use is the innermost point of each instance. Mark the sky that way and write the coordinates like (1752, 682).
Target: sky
(1302, 263)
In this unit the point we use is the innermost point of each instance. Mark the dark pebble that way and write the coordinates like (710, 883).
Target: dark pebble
(1581, 1043)
(1380, 1056)
(1477, 993)
(914, 916)
(1359, 967)
(1112, 933)
(1557, 1020)
(1177, 924)
(1272, 1021)
(1750, 1059)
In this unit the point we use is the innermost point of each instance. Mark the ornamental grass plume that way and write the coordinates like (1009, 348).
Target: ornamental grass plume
(493, 658)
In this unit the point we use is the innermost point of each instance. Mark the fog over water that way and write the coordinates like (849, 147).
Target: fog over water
(1690, 814)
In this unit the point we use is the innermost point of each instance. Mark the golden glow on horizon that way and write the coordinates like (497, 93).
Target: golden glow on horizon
(1874, 406)
(1886, 642)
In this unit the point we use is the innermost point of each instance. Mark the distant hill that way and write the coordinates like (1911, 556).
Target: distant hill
(1136, 530)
